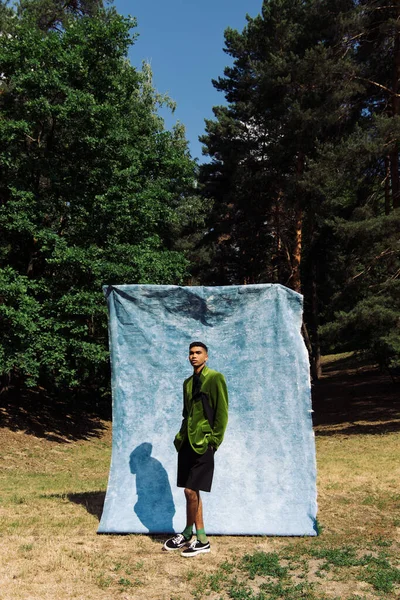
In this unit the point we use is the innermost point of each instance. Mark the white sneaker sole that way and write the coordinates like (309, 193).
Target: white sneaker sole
(203, 551)
(166, 549)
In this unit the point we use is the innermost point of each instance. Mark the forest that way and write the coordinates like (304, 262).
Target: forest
(301, 187)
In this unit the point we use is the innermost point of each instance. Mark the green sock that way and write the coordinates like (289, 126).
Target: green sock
(201, 536)
(188, 531)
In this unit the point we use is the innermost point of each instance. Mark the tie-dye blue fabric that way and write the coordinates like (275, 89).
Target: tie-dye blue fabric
(265, 471)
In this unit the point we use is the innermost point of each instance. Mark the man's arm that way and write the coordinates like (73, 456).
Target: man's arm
(219, 399)
(182, 433)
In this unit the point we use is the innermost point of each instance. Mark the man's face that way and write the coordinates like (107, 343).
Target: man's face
(197, 356)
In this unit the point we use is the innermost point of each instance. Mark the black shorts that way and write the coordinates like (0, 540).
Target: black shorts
(195, 471)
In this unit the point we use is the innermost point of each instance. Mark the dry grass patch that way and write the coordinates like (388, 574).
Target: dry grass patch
(50, 550)
(51, 495)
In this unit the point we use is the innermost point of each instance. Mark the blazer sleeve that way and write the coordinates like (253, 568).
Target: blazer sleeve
(182, 433)
(219, 399)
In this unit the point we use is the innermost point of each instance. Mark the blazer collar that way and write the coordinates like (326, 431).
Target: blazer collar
(203, 373)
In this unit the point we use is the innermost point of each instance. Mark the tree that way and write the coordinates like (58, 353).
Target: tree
(93, 190)
(305, 172)
(290, 87)
(56, 14)
(6, 14)
(359, 181)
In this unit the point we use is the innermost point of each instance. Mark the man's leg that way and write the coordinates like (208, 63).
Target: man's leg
(194, 509)
(185, 463)
(203, 471)
(194, 514)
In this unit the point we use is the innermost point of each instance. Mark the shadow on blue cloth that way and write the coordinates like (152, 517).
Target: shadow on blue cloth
(155, 506)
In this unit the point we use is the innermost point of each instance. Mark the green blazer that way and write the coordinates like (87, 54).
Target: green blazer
(195, 426)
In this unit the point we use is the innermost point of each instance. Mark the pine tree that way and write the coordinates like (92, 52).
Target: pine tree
(290, 88)
(359, 179)
(55, 14)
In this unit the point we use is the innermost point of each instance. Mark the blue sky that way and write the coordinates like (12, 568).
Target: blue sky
(183, 41)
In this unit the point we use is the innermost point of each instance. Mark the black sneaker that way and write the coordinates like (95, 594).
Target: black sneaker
(196, 547)
(176, 542)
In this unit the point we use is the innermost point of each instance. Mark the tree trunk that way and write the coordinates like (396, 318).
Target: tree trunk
(314, 369)
(394, 156)
(296, 253)
(394, 176)
(314, 322)
(278, 247)
(388, 199)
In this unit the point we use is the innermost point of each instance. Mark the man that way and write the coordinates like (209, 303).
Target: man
(205, 416)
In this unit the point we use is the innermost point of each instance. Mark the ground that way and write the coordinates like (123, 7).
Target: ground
(54, 467)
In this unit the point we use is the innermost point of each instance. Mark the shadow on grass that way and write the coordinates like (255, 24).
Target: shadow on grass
(61, 418)
(354, 399)
(351, 398)
(346, 364)
(92, 501)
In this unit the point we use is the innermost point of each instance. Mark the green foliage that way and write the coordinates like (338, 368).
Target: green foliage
(263, 564)
(278, 590)
(338, 557)
(6, 14)
(290, 78)
(376, 570)
(305, 166)
(361, 301)
(93, 190)
(53, 14)
(382, 575)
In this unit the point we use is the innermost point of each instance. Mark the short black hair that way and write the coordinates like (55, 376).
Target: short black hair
(198, 344)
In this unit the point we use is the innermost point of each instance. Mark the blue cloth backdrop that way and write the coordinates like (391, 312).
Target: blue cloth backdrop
(265, 471)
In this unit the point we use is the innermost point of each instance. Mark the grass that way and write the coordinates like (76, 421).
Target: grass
(263, 564)
(51, 494)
